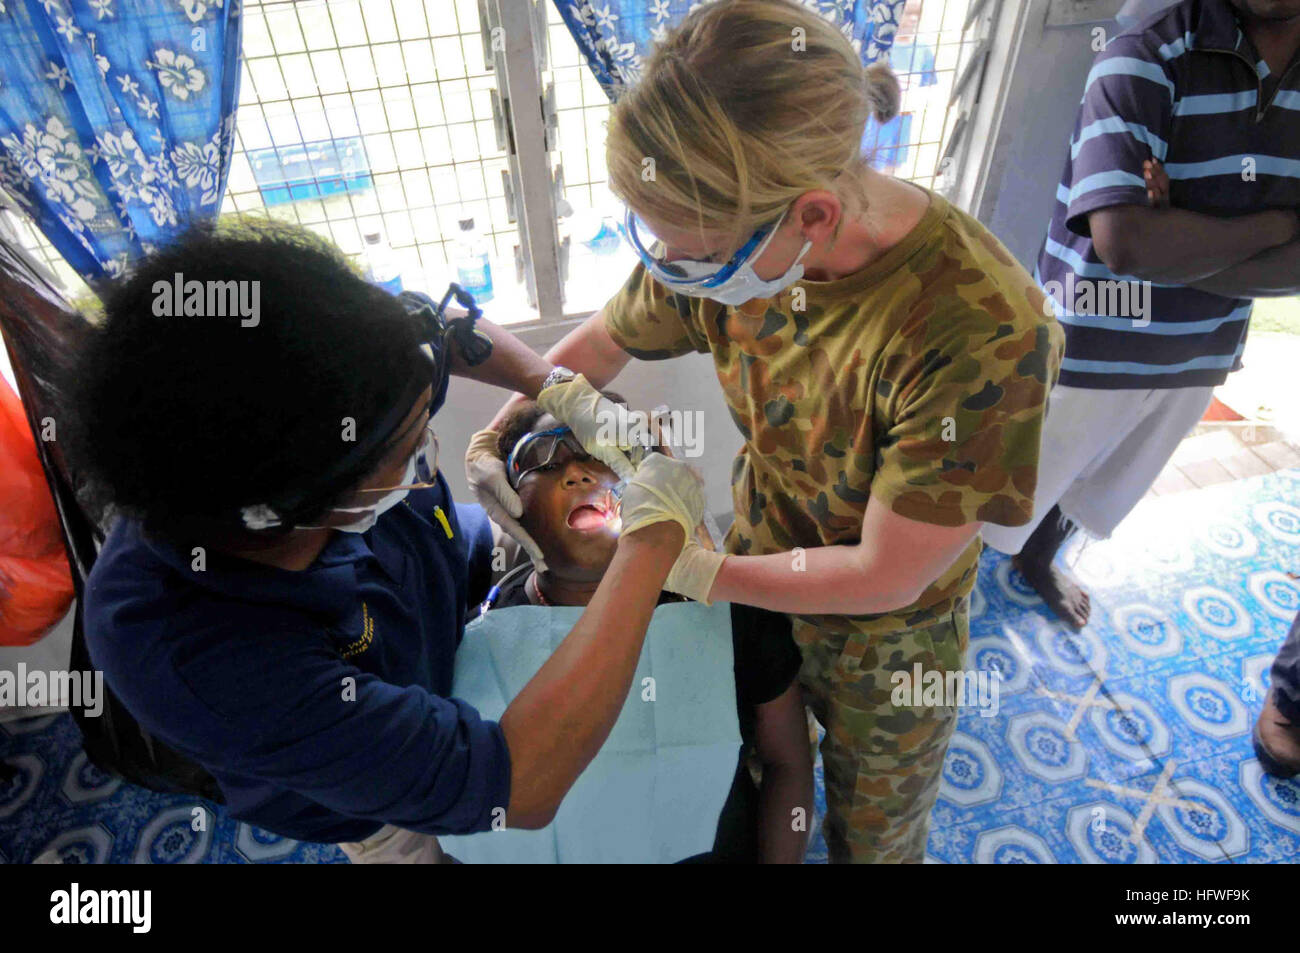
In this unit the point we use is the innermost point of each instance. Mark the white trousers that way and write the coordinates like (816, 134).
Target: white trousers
(1101, 451)
(395, 845)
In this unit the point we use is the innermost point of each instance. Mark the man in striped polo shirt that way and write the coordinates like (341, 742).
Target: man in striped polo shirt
(1155, 298)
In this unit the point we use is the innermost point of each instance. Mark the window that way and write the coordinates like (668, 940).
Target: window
(390, 116)
(360, 116)
(924, 56)
(598, 260)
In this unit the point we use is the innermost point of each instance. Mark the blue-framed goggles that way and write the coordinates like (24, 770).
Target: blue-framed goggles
(687, 273)
(542, 449)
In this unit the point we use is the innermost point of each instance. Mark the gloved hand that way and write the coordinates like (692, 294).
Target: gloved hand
(486, 473)
(591, 415)
(662, 489)
(693, 574)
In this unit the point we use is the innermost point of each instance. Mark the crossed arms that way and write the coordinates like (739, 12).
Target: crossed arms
(1249, 256)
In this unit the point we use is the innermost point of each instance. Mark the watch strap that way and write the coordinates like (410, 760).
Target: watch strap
(558, 375)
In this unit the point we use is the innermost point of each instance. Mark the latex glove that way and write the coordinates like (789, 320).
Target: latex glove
(591, 415)
(486, 473)
(662, 489)
(693, 573)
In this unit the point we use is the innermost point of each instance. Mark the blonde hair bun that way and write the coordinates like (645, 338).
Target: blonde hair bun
(883, 91)
(744, 106)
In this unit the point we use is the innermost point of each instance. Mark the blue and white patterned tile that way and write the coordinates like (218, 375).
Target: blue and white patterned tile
(1204, 822)
(1276, 593)
(1011, 844)
(1103, 832)
(19, 794)
(1255, 677)
(91, 844)
(1149, 708)
(84, 783)
(1129, 737)
(1147, 632)
(1278, 519)
(1047, 747)
(971, 774)
(1277, 801)
(1209, 706)
(171, 838)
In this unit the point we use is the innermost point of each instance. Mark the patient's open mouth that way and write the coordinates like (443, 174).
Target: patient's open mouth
(587, 517)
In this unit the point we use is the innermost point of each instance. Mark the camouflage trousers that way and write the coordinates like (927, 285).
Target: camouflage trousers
(882, 763)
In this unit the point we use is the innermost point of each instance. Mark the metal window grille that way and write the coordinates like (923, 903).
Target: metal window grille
(403, 115)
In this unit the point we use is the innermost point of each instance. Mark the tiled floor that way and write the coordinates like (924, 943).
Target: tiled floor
(1128, 742)
(1222, 453)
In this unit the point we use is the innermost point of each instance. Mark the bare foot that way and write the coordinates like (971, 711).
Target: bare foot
(1277, 741)
(1063, 596)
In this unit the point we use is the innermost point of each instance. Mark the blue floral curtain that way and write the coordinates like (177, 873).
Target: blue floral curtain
(117, 120)
(616, 35)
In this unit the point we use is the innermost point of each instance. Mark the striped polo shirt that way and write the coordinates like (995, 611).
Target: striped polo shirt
(1186, 87)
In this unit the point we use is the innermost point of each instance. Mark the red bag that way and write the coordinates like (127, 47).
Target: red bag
(35, 581)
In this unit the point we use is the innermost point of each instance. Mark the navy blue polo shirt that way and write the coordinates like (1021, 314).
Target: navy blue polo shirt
(1188, 88)
(317, 699)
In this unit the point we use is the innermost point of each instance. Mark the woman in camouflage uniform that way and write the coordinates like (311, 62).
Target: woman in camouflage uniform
(885, 359)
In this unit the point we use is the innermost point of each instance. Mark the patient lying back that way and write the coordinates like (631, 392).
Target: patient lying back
(570, 510)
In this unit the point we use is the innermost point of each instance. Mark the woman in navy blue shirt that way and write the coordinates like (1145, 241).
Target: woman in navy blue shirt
(282, 591)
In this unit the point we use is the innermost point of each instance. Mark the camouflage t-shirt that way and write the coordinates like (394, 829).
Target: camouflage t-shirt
(920, 380)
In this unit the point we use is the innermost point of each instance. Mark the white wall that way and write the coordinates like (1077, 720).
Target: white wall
(49, 654)
(1027, 149)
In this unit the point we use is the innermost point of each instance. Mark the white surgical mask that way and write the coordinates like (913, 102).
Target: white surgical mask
(369, 515)
(744, 285)
(699, 279)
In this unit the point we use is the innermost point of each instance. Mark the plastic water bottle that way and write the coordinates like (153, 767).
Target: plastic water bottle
(597, 232)
(473, 270)
(381, 264)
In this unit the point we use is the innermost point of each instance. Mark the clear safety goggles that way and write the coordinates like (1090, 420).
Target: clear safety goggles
(688, 272)
(426, 465)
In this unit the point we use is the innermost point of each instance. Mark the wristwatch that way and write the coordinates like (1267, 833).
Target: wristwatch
(558, 375)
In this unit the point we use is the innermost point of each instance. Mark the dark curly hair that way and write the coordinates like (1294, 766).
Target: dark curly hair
(183, 421)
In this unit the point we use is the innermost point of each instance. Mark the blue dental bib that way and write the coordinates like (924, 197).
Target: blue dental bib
(654, 791)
